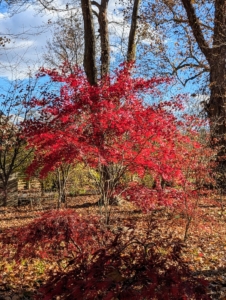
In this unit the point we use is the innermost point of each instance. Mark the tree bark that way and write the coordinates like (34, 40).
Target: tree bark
(90, 43)
(131, 53)
(217, 103)
(216, 56)
(5, 194)
(194, 23)
(8, 191)
(104, 38)
(108, 184)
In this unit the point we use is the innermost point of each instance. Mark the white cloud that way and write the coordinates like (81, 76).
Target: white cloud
(28, 32)
(16, 119)
(197, 102)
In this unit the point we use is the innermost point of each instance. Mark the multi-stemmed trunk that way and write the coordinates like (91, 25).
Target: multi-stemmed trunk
(62, 177)
(108, 184)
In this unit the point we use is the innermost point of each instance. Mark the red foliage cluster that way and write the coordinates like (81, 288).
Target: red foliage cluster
(56, 234)
(103, 124)
(109, 124)
(104, 264)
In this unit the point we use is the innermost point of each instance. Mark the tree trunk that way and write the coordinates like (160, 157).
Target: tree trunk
(90, 68)
(104, 38)
(216, 57)
(217, 108)
(107, 184)
(217, 103)
(42, 188)
(217, 117)
(90, 43)
(9, 191)
(5, 194)
(131, 52)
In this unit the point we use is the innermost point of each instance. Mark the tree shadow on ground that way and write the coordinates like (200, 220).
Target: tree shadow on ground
(18, 294)
(217, 281)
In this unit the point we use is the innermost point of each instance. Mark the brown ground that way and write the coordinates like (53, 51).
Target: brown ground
(205, 251)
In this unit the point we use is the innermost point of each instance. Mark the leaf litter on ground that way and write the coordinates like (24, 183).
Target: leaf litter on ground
(204, 252)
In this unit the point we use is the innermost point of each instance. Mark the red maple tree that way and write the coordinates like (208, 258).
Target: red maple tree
(110, 128)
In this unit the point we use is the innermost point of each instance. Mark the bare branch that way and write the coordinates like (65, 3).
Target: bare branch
(95, 4)
(195, 76)
(196, 29)
(95, 13)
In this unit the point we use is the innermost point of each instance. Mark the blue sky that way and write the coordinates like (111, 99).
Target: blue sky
(23, 56)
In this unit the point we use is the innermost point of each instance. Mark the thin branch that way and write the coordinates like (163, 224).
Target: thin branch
(95, 4)
(95, 13)
(195, 76)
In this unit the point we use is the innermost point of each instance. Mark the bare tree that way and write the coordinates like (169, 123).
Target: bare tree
(13, 153)
(67, 43)
(196, 31)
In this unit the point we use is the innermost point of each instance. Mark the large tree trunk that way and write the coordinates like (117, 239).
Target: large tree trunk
(131, 52)
(90, 43)
(104, 38)
(217, 117)
(217, 104)
(216, 57)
